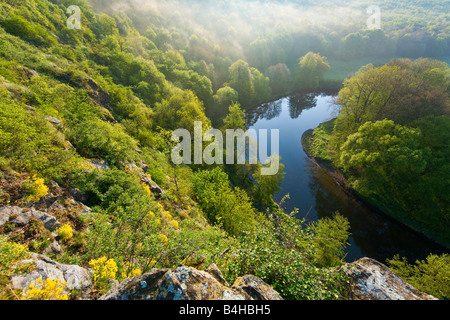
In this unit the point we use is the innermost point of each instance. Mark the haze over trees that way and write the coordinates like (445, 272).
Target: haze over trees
(89, 112)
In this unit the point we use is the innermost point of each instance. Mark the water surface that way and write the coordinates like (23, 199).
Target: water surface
(316, 195)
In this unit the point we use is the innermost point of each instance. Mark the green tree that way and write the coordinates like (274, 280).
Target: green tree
(310, 69)
(330, 240)
(381, 157)
(431, 275)
(279, 76)
(230, 208)
(267, 185)
(263, 91)
(235, 118)
(241, 80)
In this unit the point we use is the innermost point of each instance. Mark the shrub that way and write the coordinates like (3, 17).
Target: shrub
(103, 268)
(45, 290)
(65, 232)
(35, 188)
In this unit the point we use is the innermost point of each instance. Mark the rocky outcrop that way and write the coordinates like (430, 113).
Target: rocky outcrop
(76, 277)
(154, 188)
(256, 288)
(187, 283)
(372, 280)
(22, 216)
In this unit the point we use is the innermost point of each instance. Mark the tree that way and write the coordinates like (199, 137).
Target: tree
(381, 157)
(402, 90)
(279, 76)
(263, 92)
(267, 185)
(240, 79)
(331, 240)
(223, 205)
(310, 69)
(235, 118)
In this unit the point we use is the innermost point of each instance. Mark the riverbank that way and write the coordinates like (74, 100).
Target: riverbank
(340, 179)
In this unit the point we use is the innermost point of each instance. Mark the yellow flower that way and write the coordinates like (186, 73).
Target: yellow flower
(65, 232)
(164, 238)
(130, 270)
(45, 290)
(175, 224)
(103, 269)
(147, 189)
(167, 214)
(36, 189)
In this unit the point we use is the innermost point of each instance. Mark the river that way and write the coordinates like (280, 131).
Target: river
(316, 195)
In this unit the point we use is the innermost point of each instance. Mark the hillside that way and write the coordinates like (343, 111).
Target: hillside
(86, 118)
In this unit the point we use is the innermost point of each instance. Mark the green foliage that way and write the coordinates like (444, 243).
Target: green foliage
(267, 185)
(100, 139)
(241, 80)
(381, 155)
(31, 142)
(235, 118)
(19, 26)
(231, 208)
(282, 254)
(310, 69)
(391, 141)
(331, 240)
(431, 275)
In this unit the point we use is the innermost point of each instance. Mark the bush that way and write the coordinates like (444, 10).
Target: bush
(99, 139)
(45, 290)
(28, 31)
(282, 253)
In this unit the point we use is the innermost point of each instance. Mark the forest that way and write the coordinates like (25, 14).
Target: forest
(86, 117)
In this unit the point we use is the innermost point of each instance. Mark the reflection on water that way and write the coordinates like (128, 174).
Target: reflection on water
(316, 195)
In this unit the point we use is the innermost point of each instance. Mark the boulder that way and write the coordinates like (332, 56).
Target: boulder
(372, 280)
(256, 288)
(54, 121)
(53, 248)
(154, 188)
(182, 283)
(21, 217)
(76, 277)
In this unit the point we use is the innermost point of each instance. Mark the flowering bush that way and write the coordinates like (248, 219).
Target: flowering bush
(35, 189)
(130, 270)
(65, 232)
(175, 224)
(103, 269)
(10, 254)
(164, 238)
(45, 290)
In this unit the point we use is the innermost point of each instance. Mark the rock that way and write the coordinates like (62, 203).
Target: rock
(21, 217)
(182, 283)
(99, 164)
(144, 166)
(29, 73)
(372, 280)
(215, 272)
(78, 196)
(256, 288)
(154, 188)
(76, 277)
(53, 248)
(54, 120)
(100, 96)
